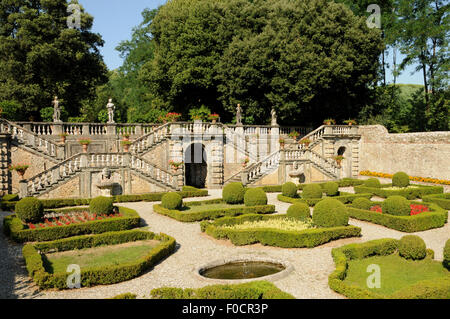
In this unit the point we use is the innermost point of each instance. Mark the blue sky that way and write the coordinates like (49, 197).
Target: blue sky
(115, 19)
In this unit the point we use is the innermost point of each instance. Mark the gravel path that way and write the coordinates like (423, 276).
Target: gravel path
(308, 280)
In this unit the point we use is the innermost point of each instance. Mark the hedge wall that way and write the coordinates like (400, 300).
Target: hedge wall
(343, 197)
(436, 218)
(409, 193)
(182, 216)
(427, 289)
(273, 237)
(251, 290)
(14, 228)
(442, 200)
(96, 275)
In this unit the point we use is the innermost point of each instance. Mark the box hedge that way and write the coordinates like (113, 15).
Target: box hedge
(233, 193)
(255, 196)
(426, 289)
(29, 210)
(186, 216)
(272, 237)
(409, 193)
(17, 231)
(172, 200)
(92, 276)
(435, 218)
(446, 261)
(442, 200)
(342, 197)
(412, 247)
(250, 290)
(330, 213)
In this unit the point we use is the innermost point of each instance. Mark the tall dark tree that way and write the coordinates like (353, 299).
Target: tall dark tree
(40, 56)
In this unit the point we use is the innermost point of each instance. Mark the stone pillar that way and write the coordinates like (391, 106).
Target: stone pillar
(57, 128)
(85, 129)
(274, 139)
(244, 177)
(328, 130)
(111, 129)
(138, 130)
(84, 160)
(282, 167)
(61, 151)
(23, 189)
(216, 162)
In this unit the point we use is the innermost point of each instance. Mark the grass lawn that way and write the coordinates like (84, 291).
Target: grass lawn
(98, 256)
(396, 272)
(200, 208)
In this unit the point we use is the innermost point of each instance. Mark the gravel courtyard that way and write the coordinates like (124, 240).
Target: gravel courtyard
(308, 280)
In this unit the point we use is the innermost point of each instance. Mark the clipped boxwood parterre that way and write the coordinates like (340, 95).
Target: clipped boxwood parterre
(273, 237)
(186, 216)
(442, 200)
(418, 191)
(17, 231)
(435, 218)
(96, 275)
(343, 197)
(425, 289)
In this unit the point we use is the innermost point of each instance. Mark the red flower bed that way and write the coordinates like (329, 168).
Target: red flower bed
(78, 218)
(415, 209)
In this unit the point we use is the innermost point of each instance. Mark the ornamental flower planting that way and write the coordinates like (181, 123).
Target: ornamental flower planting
(64, 220)
(415, 209)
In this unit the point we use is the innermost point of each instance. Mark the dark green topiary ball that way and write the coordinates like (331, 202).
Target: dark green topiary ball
(372, 182)
(299, 211)
(330, 213)
(255, 197)
(172, 200)
(331, 188)
(400, 179)
(362, 203)
(396, 205)
(30, 210)
(233, 193)
(101, 205)
(446, 260)
(289, 189)
(412, 247)
(312, 191)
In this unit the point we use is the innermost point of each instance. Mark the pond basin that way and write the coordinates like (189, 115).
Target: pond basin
(242, 270)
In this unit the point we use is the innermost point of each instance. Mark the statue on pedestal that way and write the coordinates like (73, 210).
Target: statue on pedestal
(274, 118)
(56, 111)
(238, 115)
(111, 107)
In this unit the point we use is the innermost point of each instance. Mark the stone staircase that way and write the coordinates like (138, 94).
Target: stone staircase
(62, 172)
(150, 140)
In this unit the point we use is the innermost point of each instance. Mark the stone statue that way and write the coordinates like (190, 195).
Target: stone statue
(106, 174)
(274, 118)
(56, 111)
(239, 115)
(111, 107)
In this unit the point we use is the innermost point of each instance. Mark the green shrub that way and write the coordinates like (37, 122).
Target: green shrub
(400, 179)
(330, 213)
(396, 205)
(331, 188)
(289, 189)
(446, 261)
(362, 203)
(299, 211)
(312, 191)
(127, 295)
(101, 205)
(172, 201)
(372, 182)
(10, 198)
(407, 192)
(412, 247)
(233, 193)
(255, 197)
(189, 189)
(30, 210)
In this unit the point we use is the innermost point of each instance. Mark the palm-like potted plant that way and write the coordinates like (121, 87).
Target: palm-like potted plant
(84, 143)
(126, 136)
(350, 122)
(282, 142)
(213, 117)
(245, 162)
(126, 145)
(329, 122)
(20, 169)
(338, 159)
(294, 135)
(63, 137)
(305, 141)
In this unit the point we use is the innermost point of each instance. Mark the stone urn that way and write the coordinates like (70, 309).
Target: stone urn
(85, 147)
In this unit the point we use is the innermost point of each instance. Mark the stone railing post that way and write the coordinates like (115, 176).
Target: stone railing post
(85, 129)
(126, 159)
(328, 130)
(84, 162)
(274, 138)
(57, 128)
(138, 130)
(61, 151)
(111, 129)
(23, 189)
(282, 167)
(244, 177)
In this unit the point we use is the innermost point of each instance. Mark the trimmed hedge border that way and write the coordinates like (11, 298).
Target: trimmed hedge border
(426, 289)
(250, 290)
(14, 228)
(96, 275)
(409, 193)
(149, 197)
(213, 213)
(443, 200)
(436, 218)
(343, 197)
(273, 237)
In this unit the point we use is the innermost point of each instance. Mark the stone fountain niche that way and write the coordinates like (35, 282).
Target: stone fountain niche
(107, 183)
(297, 173)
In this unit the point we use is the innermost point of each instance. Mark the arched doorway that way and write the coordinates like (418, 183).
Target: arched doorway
(345, 167)
(196, 167)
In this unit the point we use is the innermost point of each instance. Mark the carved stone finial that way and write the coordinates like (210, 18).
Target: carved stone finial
(56, 111)
(239, 115)
(111, 107)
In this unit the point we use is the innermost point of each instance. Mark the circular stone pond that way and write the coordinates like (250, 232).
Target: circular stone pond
(244, 270)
